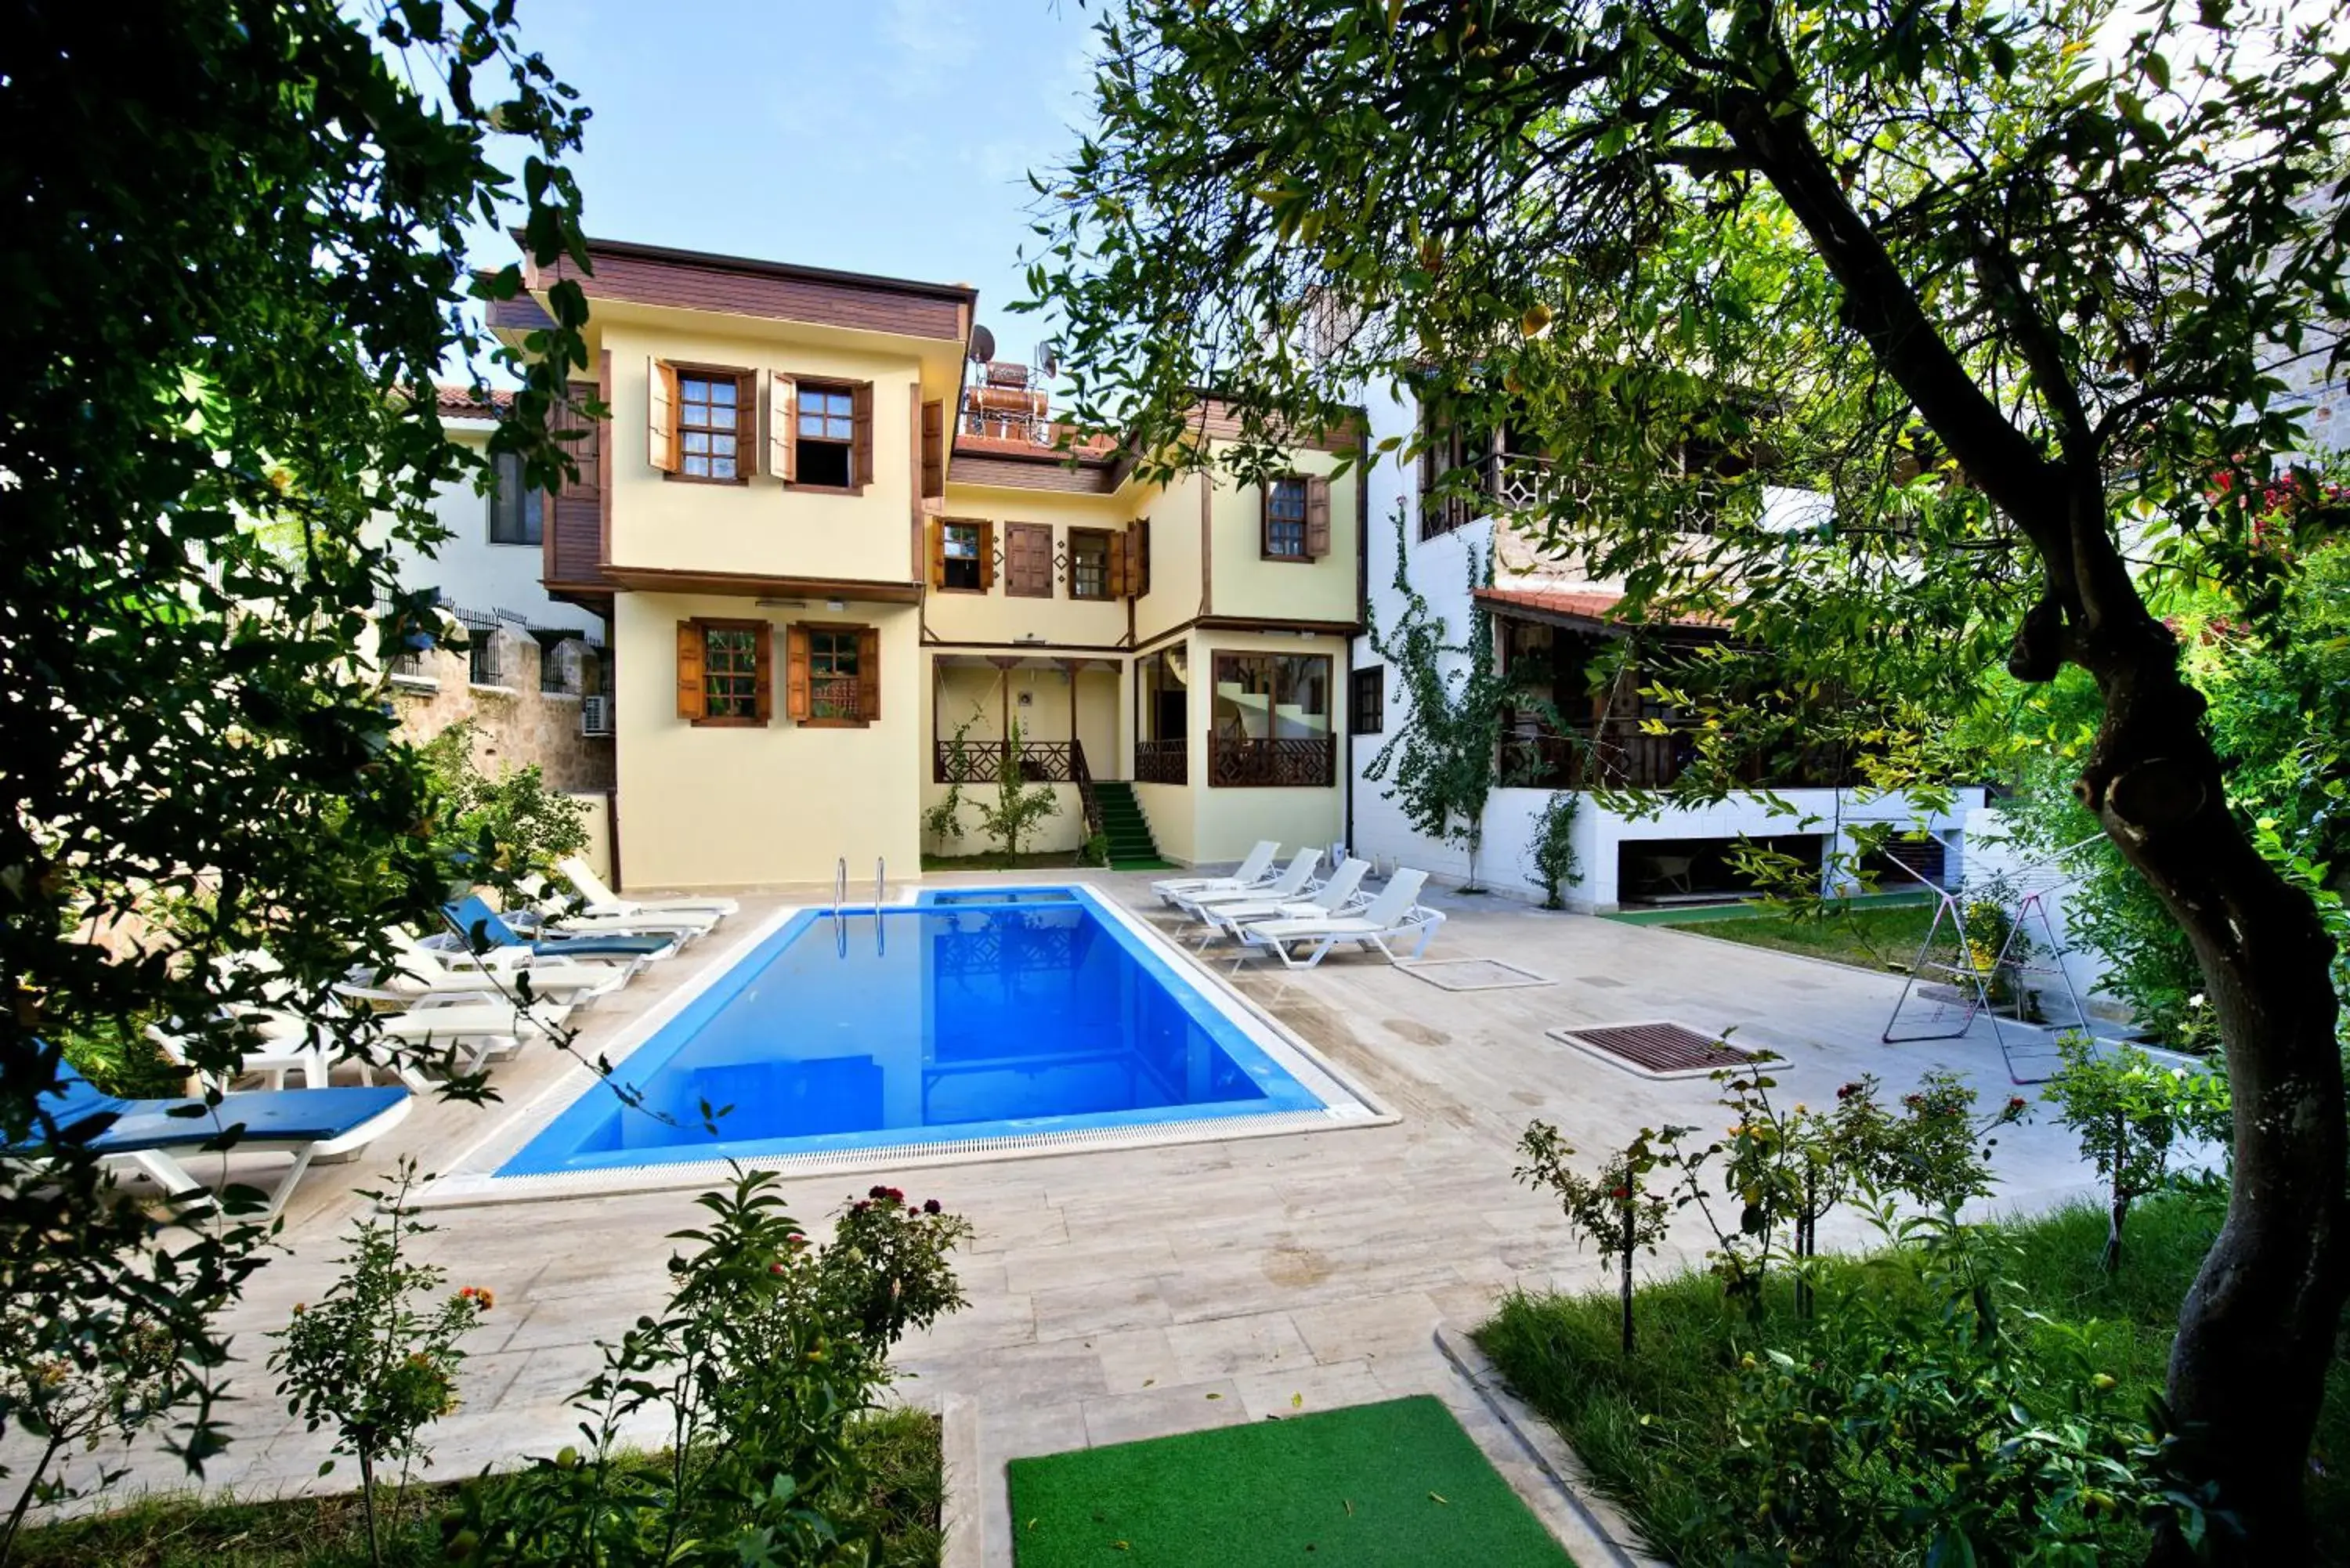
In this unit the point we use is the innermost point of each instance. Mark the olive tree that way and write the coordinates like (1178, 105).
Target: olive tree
(2007, 281)
(234, 256)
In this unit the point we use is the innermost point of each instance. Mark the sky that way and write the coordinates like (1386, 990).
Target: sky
(881, 136)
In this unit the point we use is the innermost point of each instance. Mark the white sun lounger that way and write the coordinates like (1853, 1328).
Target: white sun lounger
(602, 900)
(1341, 895)
(1291, 883)
(1253, 872)
(425, 973)
(1392, 917)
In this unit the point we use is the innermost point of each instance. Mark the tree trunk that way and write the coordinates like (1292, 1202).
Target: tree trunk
(1626, 1288)
(2117, 1207)
(2256, 1332)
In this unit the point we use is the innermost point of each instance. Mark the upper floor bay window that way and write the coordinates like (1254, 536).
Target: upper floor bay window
(516, 515)
(1296, 521)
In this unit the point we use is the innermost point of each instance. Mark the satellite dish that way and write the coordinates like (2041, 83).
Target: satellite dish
(1049, 355)
(982, 344)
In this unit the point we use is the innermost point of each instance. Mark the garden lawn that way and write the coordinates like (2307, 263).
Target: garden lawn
(1395, 1483)
(175, 1531)
(1651, 1429)
(1879, 938)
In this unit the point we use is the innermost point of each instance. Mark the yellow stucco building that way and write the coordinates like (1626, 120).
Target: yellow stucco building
(839, 561)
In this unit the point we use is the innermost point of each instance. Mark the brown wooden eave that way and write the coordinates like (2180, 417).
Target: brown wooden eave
(751, 585)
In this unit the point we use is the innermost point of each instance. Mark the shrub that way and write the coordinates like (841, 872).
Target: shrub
(1556, 865)
(1613, 1210)
(504, 829)
(1097, 850)
(770, 1347)
(1018, 807)
(1916, 1428)
(2131, 1113)
(70, 1390)
(374, 1357)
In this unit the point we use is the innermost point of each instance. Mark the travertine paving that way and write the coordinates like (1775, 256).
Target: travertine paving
(1129, 1293)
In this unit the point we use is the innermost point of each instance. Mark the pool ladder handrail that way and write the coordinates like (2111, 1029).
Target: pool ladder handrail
(881, 885)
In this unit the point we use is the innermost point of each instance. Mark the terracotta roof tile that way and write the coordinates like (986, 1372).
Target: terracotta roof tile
(459, 402)
(1579, 604)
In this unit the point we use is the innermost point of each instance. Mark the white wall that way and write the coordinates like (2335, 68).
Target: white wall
(476, 575)
(1439, 570)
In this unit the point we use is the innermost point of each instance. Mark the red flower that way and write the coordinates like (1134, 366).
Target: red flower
(1848, 1091)
(931, 1206)
(878, 1191)
(1619, 1192)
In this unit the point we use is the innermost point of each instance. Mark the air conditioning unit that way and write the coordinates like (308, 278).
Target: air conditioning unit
(595, 715)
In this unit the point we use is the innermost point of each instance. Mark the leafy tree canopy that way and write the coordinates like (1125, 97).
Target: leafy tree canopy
(2011, 282)
(233, 261)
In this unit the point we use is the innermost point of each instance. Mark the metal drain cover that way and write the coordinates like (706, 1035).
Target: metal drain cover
(1656, 1050)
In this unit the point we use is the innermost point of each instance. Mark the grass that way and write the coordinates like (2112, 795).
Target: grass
(1873, 938)
(1393, 1483)
(179, 1530)
(1650, 1429)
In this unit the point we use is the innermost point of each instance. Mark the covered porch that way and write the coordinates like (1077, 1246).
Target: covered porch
(1066, 709)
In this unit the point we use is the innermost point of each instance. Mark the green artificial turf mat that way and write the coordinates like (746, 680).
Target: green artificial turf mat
(1357, 1486)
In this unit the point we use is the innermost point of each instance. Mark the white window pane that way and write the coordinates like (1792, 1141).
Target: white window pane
(723, 392)
(698, 466)
(721, 419)
(697, 440)
(721, 468)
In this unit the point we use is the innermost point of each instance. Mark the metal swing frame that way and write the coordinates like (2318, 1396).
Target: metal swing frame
(2032, 887)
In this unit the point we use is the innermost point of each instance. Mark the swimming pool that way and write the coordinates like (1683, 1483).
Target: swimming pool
(969, 1018)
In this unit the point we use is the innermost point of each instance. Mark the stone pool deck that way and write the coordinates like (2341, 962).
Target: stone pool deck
(1133, 1293)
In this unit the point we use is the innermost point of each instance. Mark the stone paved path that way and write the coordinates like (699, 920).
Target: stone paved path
(1114, 1292)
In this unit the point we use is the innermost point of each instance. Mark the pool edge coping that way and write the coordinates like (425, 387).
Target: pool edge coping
(471, 1179)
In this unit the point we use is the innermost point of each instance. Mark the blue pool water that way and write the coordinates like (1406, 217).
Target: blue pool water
(972, 1015)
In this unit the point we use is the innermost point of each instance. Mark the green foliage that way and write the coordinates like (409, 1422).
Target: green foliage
(1017, 807)
(500, 831)
(234, 274)
(376, 1357)
(1095, 851)
(1615, 1210)
(1443, 756)
(1556, 866)
(770, 1347)
(943, 822)
(68, 1396)
(1651, 1429)
(900, 1496)
(2131, 1113)
(1917, 1428)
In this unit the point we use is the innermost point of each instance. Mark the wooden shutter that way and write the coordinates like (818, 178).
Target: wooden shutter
(1141, 562)
(1028, 560)
(781, 406)
(762, 671)
(938, 553)
(746, 425)
(1317, 515)
(660, 421)
(860, 451)
(692, 696)
(869, 673)
(795, 672)
(986, 556)
(934, 448)
(1428, 471)
(1118, 572)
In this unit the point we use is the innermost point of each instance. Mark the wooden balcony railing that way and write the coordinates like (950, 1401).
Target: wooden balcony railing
(1235, 761)
(837, 697)
(1621, 754)
(1162, 762)
(981, 761)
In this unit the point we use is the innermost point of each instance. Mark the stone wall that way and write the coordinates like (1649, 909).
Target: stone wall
(517, 723)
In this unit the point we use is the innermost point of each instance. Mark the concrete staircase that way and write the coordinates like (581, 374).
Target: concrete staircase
(1132, 847)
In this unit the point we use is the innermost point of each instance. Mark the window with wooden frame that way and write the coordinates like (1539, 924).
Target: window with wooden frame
(832, 675)
(516, 511)
(1028, 560)
(966, 557)
(1366, 701)
(1089, 564)
(1296, 521)
(723, 672)
(831, 425)
(701, 422)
